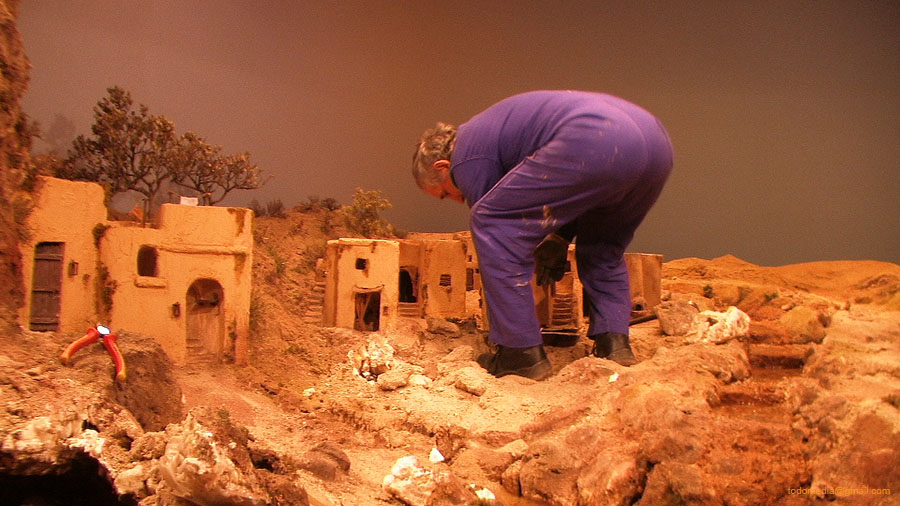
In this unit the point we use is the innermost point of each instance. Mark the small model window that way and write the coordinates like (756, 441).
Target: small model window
(361, 264)
(445, 280)
(147, 261)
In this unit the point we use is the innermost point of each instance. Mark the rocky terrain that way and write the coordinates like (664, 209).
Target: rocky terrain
(792, 398)
(802, 407)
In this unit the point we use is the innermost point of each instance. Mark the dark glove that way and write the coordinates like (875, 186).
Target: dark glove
(551, 259)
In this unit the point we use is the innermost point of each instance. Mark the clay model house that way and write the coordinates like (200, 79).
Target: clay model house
(372, 282)
(185, 279)
(473, 279)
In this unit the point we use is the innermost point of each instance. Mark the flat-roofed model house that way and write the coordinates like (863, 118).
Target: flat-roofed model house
(372, 282)
(184, 279)
(362, 283)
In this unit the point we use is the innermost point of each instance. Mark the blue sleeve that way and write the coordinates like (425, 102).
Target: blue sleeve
(475, 177)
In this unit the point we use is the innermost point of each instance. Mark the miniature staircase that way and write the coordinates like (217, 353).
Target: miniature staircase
(315, 303)
(408, 309)
(197, 354)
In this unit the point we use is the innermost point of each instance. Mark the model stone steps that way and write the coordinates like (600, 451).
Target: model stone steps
(408, 309)
(315, 303)
(198, 355)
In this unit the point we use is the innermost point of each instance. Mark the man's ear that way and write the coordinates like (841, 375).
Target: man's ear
(441, 165)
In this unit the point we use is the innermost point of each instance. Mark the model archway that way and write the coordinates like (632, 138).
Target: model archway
(205, 319)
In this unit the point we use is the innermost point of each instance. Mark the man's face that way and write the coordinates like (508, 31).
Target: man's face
(442, 192)
(446, 188)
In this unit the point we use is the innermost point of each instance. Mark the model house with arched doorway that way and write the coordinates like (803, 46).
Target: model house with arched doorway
(185, 279)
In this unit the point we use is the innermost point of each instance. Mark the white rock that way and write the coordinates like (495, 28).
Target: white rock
(485, 495)
(195, 468)
(408, 482)
(89, 441)
(132, 481)
(716, 327)
(419, 380)
(372, 359)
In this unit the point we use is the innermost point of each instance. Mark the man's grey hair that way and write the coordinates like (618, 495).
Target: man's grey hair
(436, 144)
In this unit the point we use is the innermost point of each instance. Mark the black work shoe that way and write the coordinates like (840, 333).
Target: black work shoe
(613, 346)
(528, 362)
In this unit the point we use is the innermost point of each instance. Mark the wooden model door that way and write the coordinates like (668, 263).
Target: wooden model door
(205, 319)
(46, 287)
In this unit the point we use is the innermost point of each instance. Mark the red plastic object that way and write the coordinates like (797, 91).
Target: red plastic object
(109, 342)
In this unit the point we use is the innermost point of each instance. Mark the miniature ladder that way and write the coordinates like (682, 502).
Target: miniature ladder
(563, 311)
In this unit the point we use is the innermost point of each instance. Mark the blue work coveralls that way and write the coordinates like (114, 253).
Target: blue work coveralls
(541, 160)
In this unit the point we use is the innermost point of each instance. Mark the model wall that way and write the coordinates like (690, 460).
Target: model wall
(66, 212)
(191, 243)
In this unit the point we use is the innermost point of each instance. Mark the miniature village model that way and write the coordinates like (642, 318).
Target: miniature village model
(186, 277)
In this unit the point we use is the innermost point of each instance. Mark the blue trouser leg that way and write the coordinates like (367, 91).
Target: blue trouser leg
(604, 175)
(602, 237)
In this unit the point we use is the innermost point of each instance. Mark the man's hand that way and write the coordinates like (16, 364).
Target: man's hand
(550, 259)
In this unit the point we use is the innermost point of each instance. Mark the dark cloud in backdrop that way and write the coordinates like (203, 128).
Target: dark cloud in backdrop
(784, 115)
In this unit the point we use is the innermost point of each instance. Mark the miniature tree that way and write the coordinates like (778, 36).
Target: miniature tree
(129, 149)
(132, 150)
(202, 168)
(363, 216)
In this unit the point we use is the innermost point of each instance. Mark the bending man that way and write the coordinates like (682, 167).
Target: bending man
(539, 169)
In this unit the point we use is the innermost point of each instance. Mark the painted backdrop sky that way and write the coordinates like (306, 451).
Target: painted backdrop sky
(784, 114)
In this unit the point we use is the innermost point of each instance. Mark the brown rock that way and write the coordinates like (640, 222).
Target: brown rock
(676, 317)
(678, 483)
(804, 325)
(397, 376)
(449, 490)
(149, 446)
(766, 331)
(151, 391)
(552, 467)
(450, 439)
(326, 461)
(456, 359)
(283, 491)
(615, 476)
(492, 462)
(472, 380)
(443, 327)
